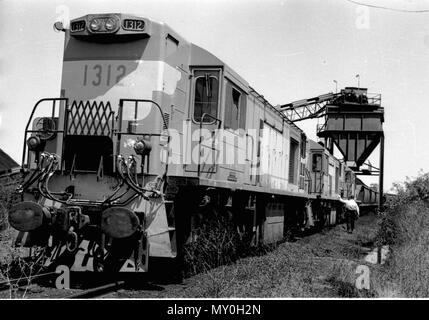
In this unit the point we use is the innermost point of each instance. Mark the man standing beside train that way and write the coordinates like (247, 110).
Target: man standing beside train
(351, 211)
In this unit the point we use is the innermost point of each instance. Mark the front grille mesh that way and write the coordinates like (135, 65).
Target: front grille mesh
(90, 118)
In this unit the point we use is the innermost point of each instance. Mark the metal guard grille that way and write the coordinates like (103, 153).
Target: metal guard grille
(90, 118)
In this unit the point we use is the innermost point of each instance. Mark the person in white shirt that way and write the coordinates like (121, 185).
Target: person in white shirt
(351, 211)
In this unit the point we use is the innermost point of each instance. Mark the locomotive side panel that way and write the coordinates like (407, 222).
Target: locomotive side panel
(294, 159)
(253, 142)
(176, 106)
(231, 140)
(274, 150)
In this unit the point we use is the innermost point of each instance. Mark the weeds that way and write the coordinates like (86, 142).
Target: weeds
(217, 243)
(16, 267)
(312, 267)
(15, 271)
(348, 290)
(3, 217)
(405, 228)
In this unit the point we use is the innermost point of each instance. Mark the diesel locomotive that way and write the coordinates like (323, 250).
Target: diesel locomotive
(148, 132)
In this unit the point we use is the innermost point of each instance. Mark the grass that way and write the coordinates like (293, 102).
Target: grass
(408, 237)
(319, 265)
(216, 244)
(405, 228)
(221, 264)
(8, 184)
(12, 263)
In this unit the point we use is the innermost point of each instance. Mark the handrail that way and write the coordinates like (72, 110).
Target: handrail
(253, 146)
(136, 101)
(322, 182)
(46, 172)
(200, 138)
(121, 104)
(361, 99)
(24, 149)
(309, 180)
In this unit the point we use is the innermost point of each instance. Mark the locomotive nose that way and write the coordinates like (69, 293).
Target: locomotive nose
(28, 216)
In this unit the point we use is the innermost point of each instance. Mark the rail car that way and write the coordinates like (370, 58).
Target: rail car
(151, 134)
(366, 196)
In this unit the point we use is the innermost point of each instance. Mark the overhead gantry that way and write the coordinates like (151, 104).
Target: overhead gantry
(353, 122)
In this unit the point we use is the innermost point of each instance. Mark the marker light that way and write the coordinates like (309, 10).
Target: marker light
(58, 26)
(95, 24)
(46, 128)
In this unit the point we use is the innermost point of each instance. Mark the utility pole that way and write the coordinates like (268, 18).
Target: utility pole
(381, 177)
(380, 190)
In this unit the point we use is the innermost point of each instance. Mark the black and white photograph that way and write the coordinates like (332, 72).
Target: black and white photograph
(235, 152)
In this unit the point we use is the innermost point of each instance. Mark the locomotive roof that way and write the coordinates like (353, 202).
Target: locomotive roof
(202, 57)
(315, 145)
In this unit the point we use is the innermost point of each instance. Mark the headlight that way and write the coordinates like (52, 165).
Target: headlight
(111, 24)
(142, 147)
(95, 24)
(34, 143)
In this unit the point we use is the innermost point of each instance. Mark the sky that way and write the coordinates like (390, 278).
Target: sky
(286, 49)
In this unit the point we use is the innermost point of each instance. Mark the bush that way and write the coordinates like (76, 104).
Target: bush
(3, 217)
(411, 191)
(8, 185)
(217, 243)
(405, 228)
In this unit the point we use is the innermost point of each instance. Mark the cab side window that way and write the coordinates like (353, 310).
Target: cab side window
(206, 94)
(235, 108)
(317, 162)
(303, 146)
(326, 169)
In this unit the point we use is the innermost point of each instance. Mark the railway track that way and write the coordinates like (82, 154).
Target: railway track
(24, 283)
(98, 291)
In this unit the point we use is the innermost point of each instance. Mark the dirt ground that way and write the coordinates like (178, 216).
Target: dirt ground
(321, 265)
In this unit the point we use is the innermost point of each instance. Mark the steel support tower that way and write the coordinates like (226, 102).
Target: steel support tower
(353, 122)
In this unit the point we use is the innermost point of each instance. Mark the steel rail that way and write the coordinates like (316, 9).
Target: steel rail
(98, 291)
